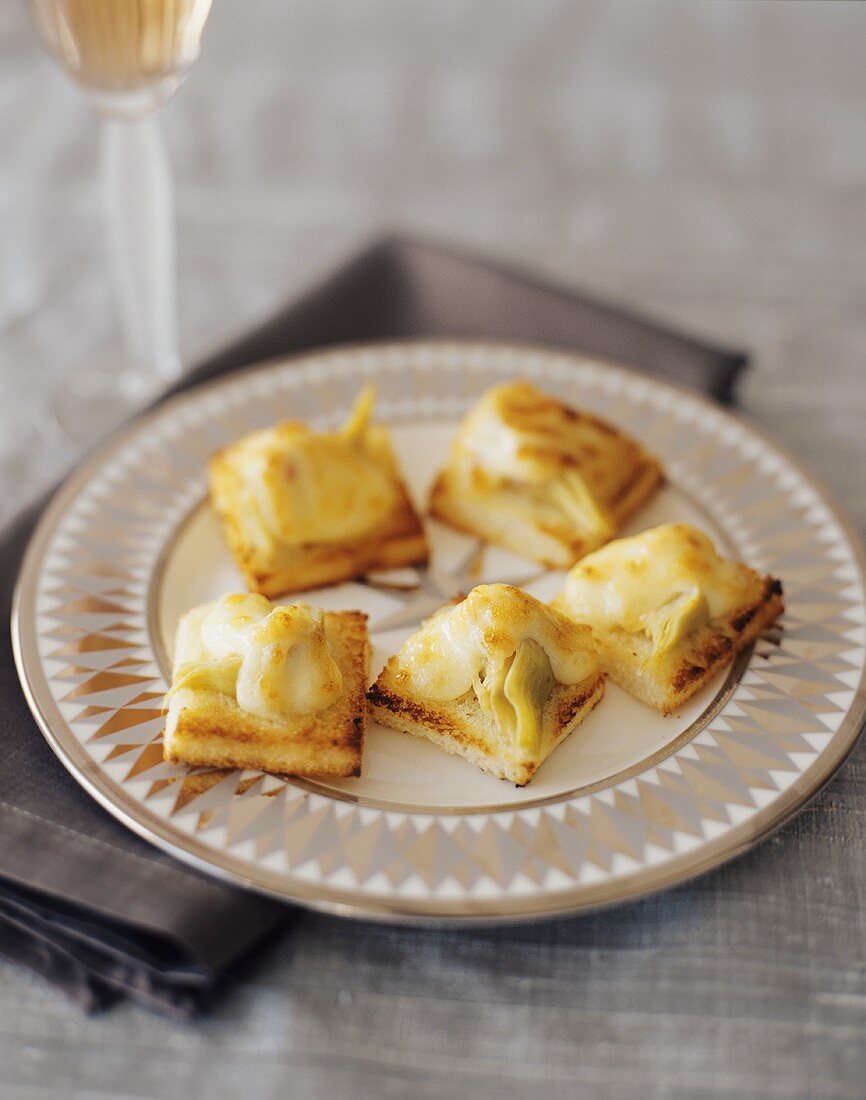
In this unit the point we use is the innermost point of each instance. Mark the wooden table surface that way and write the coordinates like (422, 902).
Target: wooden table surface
(704, 161)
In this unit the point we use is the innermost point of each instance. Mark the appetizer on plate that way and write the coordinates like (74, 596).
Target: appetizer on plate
(543, 479)
(497, 678)
(303, 509)
(666, 611)
(261, 686)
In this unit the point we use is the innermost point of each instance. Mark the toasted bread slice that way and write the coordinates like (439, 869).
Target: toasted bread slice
(667, 612)
(302, 509)
(206, 727)
(504, 516)
(399, 541)
(548, 481)
(462, 728)
(668, 683)
(506, 726)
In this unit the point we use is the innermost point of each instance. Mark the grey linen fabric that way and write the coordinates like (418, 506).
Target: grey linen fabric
(85, 902)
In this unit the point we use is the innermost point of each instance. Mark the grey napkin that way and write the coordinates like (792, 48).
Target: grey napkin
(85, 902)
(405, 288)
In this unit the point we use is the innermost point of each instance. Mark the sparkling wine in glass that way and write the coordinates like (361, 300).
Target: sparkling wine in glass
(129, 56)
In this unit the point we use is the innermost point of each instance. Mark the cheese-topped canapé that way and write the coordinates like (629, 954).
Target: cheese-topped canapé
(505, 646)
(273, 660)
(568, 460)
(663, 583)
(305, 487)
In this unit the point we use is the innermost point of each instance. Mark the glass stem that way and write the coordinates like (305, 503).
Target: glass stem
(141, 240)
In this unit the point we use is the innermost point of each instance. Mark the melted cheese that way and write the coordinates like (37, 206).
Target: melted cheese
(505, 646)
(316, 487)
(274, 661)
(664, 583)
(288, 667)
(226, 624)
(570, 462)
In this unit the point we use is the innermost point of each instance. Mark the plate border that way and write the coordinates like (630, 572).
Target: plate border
(345, 902)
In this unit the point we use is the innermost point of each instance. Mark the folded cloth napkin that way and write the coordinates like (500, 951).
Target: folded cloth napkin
(85, 902)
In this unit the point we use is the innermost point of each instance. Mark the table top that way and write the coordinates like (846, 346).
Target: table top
(705, 163)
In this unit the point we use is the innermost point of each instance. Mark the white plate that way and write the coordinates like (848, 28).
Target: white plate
(631, 802)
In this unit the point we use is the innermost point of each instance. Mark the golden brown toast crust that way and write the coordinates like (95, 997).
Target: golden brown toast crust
(564, 548)
(398, 542)
(447, 724)
(692, 664)
(213, 730)
(502, 510)
(716, 645)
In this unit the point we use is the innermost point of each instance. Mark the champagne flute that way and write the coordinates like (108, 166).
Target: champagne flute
(128, 56)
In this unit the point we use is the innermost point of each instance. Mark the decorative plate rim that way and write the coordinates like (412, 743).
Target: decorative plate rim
(347, 901)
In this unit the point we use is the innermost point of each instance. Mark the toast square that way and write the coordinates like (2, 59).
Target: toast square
(546, 480)
(302, 509)
(667, 612)
(208, 727)
(406, 697)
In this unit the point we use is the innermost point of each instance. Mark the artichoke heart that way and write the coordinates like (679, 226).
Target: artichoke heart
(359, 417)
(676, 619)
(213, 675)
(515, 694)
(570, 494)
